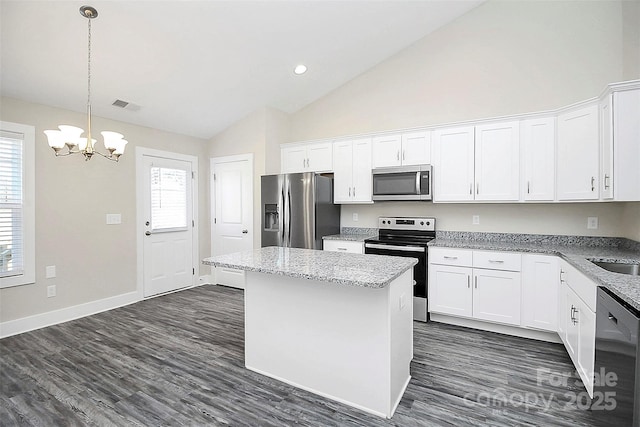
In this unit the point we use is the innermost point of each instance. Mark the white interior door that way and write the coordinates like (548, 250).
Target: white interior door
(168, 223)
(232, 212)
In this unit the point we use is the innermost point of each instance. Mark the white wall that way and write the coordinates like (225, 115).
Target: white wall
(260, 133)
(93, 260)
(568, 219)
(504, 57)
(631, 221)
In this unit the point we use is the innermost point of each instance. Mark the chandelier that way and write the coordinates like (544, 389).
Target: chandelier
(67, 140)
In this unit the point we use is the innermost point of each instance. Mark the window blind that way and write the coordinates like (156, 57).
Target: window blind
(168, 199)
(11, 204)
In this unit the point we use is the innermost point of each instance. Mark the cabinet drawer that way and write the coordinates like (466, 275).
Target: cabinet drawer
(343, 246)
(460, 257)
(497, 260)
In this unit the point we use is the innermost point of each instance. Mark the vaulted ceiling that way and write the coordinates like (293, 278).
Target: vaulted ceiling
(195, 67)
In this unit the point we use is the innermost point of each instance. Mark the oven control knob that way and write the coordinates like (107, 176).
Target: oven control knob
(428, 223)
(421, 222)
(384, 222)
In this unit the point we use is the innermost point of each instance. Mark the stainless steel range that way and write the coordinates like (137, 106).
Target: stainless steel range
(407, 237)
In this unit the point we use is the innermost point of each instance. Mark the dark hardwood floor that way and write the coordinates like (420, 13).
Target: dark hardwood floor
(178, 360)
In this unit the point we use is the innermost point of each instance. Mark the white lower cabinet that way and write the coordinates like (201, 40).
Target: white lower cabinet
(496, 296)
(343, 246)
(479, 293)
(577, 321)
(540, 281)
(450, 290)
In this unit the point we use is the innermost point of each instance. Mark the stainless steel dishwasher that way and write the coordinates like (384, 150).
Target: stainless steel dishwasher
(616, 400)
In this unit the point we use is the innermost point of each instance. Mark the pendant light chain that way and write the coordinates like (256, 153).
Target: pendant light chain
(89, 149)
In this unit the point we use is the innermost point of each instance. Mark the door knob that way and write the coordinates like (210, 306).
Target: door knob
(245, 231)
(147, 233)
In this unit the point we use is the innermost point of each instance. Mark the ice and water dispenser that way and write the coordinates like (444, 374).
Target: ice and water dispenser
(271, 217)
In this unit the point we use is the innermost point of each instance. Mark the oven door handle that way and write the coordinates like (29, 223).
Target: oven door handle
(395, 248)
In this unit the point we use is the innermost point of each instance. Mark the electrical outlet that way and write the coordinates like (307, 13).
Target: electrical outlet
(50, 271)
(592, 223)
(51, 291)
(475, 220)
(355, 216)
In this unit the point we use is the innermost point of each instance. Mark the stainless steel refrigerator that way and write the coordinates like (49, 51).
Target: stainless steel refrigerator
(297, 210)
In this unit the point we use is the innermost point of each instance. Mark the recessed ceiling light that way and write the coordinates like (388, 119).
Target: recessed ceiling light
(300, 69)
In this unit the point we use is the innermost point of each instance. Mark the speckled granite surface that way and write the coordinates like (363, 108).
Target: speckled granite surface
(576, 250)
(353, 234)
(371, 271)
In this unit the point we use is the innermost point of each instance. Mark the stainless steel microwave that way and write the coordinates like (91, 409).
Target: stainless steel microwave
(402, 183)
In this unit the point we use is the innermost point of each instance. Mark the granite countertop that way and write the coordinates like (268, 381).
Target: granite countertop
(370, 271)
(575, 252)
(349, 237)
(353, 234)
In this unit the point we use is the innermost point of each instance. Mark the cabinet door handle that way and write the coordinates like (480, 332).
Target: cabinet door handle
(398, 155)
(469, 282)
(304, 163)
(561, 273)
(606, 181)
(497, 261)
(403, 152)
(349, 191)
(475, 282)
(470, 188)
(477, 188)
(528, 187)
(354, 191)
(450, 257)
(593, 181)
(342, 249)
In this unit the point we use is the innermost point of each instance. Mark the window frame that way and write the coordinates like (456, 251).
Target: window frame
(29, 223)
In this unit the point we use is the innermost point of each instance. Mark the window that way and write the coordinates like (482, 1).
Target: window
(168, 199)
(17, 208)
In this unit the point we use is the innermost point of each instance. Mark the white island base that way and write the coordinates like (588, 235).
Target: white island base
(352, 344)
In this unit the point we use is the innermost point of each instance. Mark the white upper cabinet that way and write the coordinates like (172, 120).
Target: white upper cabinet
(606, 148)
(453, 158)
(416, 148)
(538, 146)
(386, 150)
(497, 161)
(621, 146)
(477, 163)
(313, 157)
(352, 171)
(401, 149)
(578, 154)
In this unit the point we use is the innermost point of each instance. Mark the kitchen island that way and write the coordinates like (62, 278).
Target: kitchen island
(336, 324)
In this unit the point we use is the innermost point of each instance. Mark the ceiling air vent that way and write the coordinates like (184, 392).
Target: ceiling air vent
(120, 103)
(125, 105)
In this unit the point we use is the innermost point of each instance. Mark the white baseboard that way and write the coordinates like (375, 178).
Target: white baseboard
(496, 327)
(30, 323)
(207, 279)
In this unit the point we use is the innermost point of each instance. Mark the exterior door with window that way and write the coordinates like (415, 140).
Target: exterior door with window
(168, 209)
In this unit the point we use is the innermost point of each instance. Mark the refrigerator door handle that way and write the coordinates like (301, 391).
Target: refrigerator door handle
(282, 217)
(289, 218)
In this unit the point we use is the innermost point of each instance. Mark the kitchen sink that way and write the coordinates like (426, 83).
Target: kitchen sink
(618, 267)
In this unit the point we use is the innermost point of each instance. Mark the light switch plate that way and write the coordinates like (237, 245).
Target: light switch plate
(113, 219)
(355, 216)
(475, 219)
(592, 223)
(51, 291)
(50, 271)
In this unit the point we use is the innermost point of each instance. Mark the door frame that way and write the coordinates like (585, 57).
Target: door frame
(140, 214)
(212, 186)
